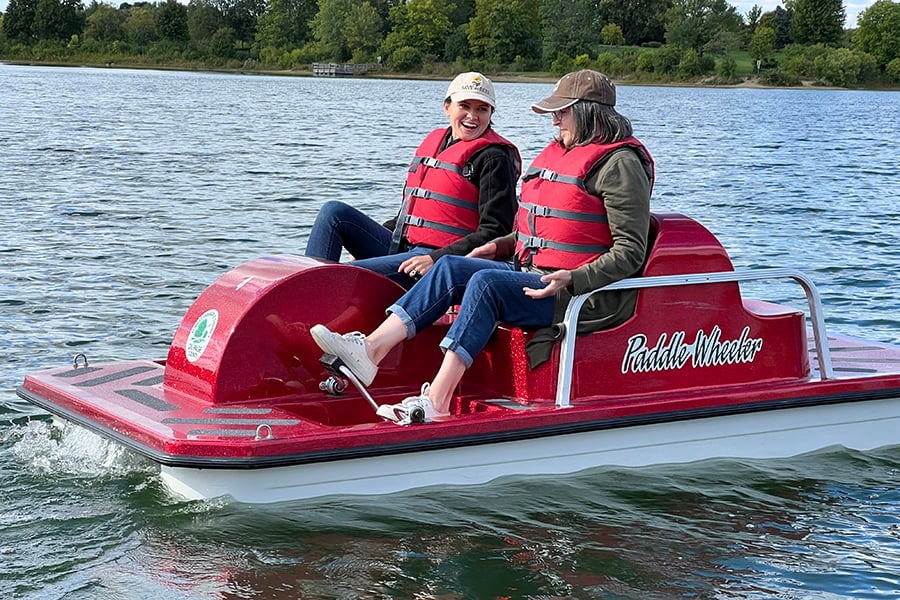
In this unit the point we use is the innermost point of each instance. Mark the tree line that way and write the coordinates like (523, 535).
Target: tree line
(647, 40)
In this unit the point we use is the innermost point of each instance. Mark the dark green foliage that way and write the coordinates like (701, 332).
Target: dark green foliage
(892, 69)
(817, 22)
(457, 45)
(18, 21)
(642, 21)
(726, 68)
(563, 27)
(501, 30)
(104, 23)
(782, 24)
(879, 31)
(221, 44)
(172, 22)
(58, 19)
(405, 59)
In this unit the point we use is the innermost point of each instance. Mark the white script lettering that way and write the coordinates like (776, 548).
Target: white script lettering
(707, 350)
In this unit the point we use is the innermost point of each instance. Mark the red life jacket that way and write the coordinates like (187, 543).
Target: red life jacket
(560, 224)
(440, 205)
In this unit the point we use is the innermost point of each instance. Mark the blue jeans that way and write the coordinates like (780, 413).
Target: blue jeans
(339, 226)
(487, 292)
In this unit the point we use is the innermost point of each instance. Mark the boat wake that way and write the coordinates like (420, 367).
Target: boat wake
(47, 448)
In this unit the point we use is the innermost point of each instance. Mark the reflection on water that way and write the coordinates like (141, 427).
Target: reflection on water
(125, 193)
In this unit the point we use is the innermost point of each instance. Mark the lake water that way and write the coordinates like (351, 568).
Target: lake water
(124, 193)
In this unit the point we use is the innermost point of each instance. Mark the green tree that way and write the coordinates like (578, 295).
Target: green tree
(140, 28)
(457, 45)
(285, 24)
(241, 16)
(172, 22)
(18, 22)
(58, 19)
(221, 44)
(611, 34)
(666, 59)
(501, 30)
(363, 32)
(421, 24)
(782, 19)
(762, 46)
(726, 68)
(642, 21)
(104, 24)
(817, 22)
(328, 29)
(878, 31)
(844, 67)
(753, 16)
(406, 58)
(645, 61)
(567, 27)
(464, 11)
(892, 69)
(692, 24)
(203, 21)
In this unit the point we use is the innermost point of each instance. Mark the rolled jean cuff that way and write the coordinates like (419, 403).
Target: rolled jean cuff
(404, 318)
(450, 344)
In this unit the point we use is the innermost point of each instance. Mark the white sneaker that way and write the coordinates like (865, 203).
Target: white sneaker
(350, 348)
(404, 412)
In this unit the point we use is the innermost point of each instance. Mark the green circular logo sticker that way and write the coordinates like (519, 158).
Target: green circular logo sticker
(200, 334)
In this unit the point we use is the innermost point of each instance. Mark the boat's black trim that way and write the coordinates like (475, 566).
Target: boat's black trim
(259, 462)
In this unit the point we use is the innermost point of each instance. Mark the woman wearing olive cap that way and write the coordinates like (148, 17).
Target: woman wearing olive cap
(582, 223)
(460, 193)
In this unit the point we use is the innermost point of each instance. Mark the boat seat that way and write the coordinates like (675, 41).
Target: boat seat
(665, 320)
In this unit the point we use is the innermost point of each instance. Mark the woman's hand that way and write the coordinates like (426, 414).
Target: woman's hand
(487, 251)
(416, 266)
(556, 280)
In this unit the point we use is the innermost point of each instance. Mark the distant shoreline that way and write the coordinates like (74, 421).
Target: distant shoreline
(505, 77)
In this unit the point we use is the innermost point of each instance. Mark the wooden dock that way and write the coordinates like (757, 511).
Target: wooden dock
(342, 69)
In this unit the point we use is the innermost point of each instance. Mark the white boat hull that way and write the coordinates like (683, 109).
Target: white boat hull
(767, 434)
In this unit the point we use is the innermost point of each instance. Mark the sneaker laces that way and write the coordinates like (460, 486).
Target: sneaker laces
(356, 337)
(423, 395)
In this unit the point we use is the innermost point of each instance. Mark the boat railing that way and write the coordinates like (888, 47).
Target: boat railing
(570, 321)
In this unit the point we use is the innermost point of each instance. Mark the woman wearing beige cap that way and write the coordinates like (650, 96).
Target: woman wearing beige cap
(582, 223)
(460, 193)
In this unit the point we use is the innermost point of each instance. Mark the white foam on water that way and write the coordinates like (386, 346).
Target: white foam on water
(65, 448)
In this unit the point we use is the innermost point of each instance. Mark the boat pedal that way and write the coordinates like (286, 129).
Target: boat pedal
(332, 364)
(337, 368)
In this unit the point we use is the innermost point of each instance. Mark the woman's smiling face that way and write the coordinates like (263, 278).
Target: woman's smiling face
(468, 118)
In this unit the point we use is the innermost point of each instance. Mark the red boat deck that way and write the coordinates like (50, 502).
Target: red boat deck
(851, 357)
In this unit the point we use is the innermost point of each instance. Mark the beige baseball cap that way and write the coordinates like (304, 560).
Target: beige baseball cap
(580, 85)
(472, 86)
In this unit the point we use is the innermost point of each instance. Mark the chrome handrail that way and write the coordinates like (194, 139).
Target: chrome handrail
(570, 320)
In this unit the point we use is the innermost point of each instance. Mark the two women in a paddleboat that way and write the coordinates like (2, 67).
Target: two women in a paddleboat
(582, 223)
(460, 193)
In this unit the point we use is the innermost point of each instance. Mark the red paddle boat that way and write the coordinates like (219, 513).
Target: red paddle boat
(244, 407)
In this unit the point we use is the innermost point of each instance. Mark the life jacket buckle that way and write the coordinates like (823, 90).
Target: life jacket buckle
(548, 175)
